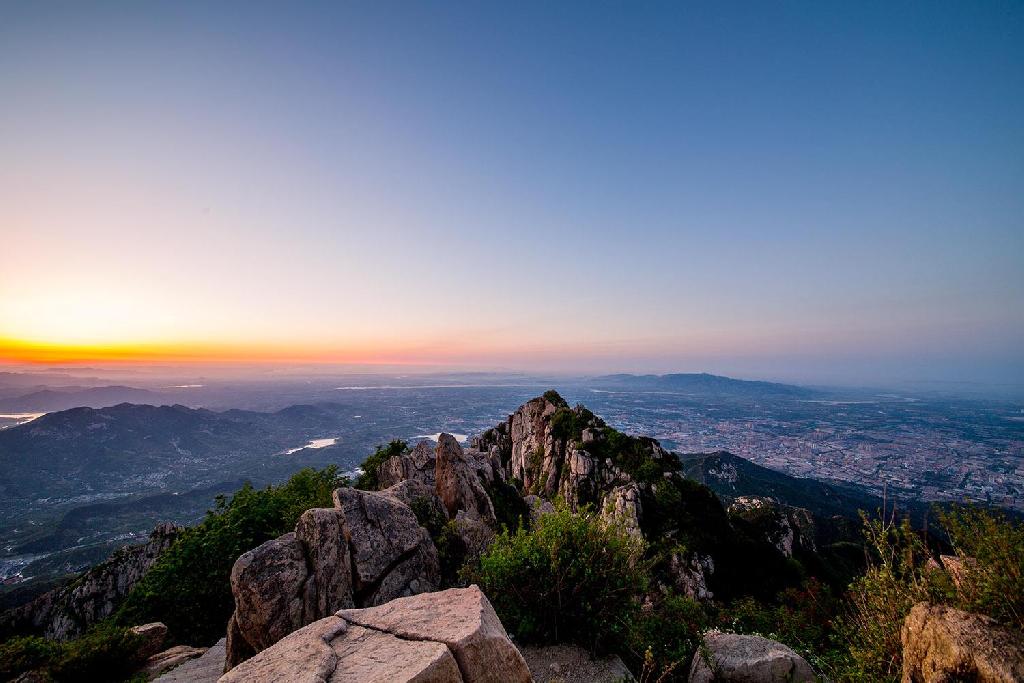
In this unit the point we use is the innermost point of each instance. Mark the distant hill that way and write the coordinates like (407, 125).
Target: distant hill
(50, 400)
(702, 384)
(730, 476)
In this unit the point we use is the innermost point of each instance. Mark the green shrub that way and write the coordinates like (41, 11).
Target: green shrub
(25, 653)
(800, 617)
(553, 396)
(104, 653)
(370, 469)
(451, 549)
(662, 638)
(879, 601)
(571, 578)
(510, 510)
(188, 588)
(991, 548)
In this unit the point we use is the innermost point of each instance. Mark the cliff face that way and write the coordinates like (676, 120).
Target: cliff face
(68, 611)
(548, 449)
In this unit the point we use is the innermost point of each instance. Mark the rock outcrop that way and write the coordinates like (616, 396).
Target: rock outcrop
(458, 485)
(152, 638)
(206, 668)
(66, 612)
(943, 644)
(365, 551)
(171, 658)
(787, 528)
(445, 637)
(729, 657)
(550, 449)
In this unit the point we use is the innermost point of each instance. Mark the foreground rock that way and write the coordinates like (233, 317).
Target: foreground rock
(943, 644)
(152, 638)
(67, 612)
(367, 550)
(747, 659)
(205, 669)
(169, 659)
(445, 637)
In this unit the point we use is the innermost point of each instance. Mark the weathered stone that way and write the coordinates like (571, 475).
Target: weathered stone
(415, 492)
(392, 555)
(417, 465)
(538, 506)
(367, 655)
(691, 574)
(169, 659)
(332, 650)
(269, 584)
(943, 645)
(458, 484)
(321, 531)
(152, 636)
(462, 619)
(207, 668)
(622, 506)
(68, 611)
(747, 659)
(304, 656)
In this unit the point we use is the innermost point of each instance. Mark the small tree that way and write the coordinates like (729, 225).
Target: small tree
(571, 578)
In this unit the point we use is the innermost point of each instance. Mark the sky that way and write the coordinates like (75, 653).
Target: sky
(821, 191)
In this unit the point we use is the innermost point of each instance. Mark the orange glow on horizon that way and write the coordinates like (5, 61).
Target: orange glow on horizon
(47, 353)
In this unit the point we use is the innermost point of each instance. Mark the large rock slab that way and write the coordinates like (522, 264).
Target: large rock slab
(747, 659)
(942, 645)
(446, 637)
(462, 619)
(335, 651)
(392, 555)
(369, 656)
(304, 656)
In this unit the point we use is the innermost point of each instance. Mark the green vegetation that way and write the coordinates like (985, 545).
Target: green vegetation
(104, 653)
(188, 588)
(510, 510)
(991, 550)
(451, 549)
(552, 396)
(662, 638)
(370, 469)
(569, 579)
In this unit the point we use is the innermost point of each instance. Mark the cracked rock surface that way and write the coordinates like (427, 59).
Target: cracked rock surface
(367, 550)
(445, 637)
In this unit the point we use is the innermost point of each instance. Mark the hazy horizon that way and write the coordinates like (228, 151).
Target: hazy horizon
(814, 193)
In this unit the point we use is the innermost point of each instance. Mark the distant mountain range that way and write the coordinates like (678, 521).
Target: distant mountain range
(49, 400)
(701, 383)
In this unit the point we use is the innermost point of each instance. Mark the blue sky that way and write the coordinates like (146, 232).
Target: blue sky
(814, 191)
